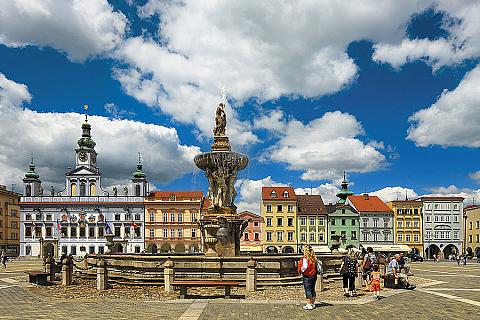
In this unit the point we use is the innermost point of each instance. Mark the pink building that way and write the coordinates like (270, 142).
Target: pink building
(251, 239)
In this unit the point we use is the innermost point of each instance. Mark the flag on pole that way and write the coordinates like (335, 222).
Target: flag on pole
(107, 227)
(134, 225)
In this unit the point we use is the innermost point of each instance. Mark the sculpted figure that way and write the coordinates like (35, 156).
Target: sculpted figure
(125, 191)
(40, 191)
(115, 191)
(211, 187)
(220, 121)
(231, 186)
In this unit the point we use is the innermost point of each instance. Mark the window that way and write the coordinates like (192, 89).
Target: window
(415, 223)
(64, 249)
(375, 237)
(180, 233)
(470, 238)
(38, 231)
(269, 221)
(428, 235)
(117, 231)
(269, 236)
(73, 231)
(303, 221)
(100, 232)
(101, 250)
(180, 217)
(137, 217)
(137, 249)
(28, 190)
(365, 223)
(63, 231)
(386, 237)
(194, 217)
(82, 249)
(385, 222)
(269, 208)
(172, 217)
(165, 217)
(28, 232)
(400, 237)
(137, 190)
(165, 233)
(416, 237)
(13, 224)
(399, 211)
(290, 208)
(194, 233)
(320, 236)
(455, 218)
(256, 236)
(48, 231)
(354, 235)
(256, 224)
(152, 233)
(477, 236)
(435, 206)
(172, 233)
(312, 221)
(353, 222)
(344, 222)
(279, 236)
(343, 210)
(447, 218)
(279, 222)
(455, 207)
(290, 236)
(408, 223)
(312, 236)
(320, 221)
(28, 216)
(470, 225)
(429, 218)
(152, 217)
(455, 234)
(333, 222)
(303, 237)
(436, 218)
(82, 232)
(273, 194)
(91, 232)
(375, 223)
(49, 216)
(408, 238)
(343, 234)
(245, 236)
(13, 213)
(290, 221)
(83, 189)
(91, 250)
(117, 216)
(279, 208)
(73, 250)
(478, 224)
(285, 194)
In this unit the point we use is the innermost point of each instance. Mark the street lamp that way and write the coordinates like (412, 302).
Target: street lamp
(464, 230)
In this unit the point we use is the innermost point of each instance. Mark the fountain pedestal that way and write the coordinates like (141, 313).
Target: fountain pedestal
(221, 235)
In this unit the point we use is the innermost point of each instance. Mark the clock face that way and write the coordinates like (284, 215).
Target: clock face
(82, 156)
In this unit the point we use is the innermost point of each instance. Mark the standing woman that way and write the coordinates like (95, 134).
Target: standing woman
(307, 267)
(349, 270)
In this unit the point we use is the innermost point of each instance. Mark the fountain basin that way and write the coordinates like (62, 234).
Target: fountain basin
(221, 159)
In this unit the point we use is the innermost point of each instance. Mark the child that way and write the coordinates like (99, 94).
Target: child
(375, 285)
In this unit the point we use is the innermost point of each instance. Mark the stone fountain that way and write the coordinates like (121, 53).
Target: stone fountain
(221, 226)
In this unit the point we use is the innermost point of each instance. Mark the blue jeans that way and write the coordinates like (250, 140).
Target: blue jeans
(309, 286)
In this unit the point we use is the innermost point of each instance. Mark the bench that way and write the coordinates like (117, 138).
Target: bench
(38, 277)
(185, 284)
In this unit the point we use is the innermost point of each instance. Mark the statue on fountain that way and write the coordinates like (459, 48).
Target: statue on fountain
(221, 226)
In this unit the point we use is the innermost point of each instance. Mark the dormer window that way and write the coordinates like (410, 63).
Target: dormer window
(285, 194)
(273, 194)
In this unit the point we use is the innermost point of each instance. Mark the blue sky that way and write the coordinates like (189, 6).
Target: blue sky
(314, 89)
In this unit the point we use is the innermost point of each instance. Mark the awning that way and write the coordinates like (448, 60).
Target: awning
(251, 248)
(388, 247)
(320, 249)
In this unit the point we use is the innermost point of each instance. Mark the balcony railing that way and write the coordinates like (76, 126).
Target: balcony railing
(99, 199)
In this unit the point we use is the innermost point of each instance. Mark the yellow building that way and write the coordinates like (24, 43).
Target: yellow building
(171, 221)
(9, 222)
(279, 209)
(472, 230)
(407, 226)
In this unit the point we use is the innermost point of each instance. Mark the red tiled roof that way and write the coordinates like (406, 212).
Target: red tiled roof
(471, 207)
(311, 204)
(178, 194)
(267, 191)
(369, 203)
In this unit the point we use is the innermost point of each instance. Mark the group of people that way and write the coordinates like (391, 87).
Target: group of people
(310, 268)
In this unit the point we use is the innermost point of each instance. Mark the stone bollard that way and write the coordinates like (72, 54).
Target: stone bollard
(102, 275)
(359, 279)
(251, 281)
(50, 268)
(66, 271)
(168, 274)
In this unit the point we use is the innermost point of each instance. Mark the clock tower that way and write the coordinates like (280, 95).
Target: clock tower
(86, 154)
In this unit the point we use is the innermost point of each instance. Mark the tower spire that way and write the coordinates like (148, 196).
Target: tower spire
(344, 193)
(86, 140)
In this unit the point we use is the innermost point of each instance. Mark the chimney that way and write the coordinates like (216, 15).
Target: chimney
(365, 196)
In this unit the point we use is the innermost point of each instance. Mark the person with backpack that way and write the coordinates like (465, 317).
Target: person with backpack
(369, 260)
(309, 267)
(349, 270)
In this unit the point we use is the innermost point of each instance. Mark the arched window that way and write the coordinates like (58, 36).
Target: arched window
(73, 189)
(137, 190)
(28, 190)
(83, 188)
(93, 189)
(285, 194)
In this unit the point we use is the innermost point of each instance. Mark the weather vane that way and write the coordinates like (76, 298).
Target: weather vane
(86, 112)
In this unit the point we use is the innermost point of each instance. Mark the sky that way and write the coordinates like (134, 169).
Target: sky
(388, 91)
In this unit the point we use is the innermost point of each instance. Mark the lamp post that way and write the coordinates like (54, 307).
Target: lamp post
(464, 231)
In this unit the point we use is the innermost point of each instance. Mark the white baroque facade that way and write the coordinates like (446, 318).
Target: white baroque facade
(76, 219)
(442, 226)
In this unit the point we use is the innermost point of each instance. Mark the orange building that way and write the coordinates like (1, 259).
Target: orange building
(171, 221)
(251, 239)
(9, 221)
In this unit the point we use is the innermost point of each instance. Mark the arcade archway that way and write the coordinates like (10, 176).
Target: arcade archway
(449, 250)
(152, 248)
(288, 249)
(180, 248)
(271, 249)
(165, 248)
(431, 250)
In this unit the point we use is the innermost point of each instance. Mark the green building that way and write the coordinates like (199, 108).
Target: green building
(343, 219)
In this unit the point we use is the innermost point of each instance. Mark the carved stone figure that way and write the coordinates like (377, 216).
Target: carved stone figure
(52, 191)
(220, 121)
(125, 191)
(115, 191)
(40, 191)
(231, 187)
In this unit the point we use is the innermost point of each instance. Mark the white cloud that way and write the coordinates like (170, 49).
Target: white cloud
(475, 176)
(52, 138)
(454, 191)
(462, 42)
(324, 147)
(80, 28)
(394, 193)
(116, 112)
(12, 93)
(452, 120)
(250, 193)
(256, 49)
(328, 191)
